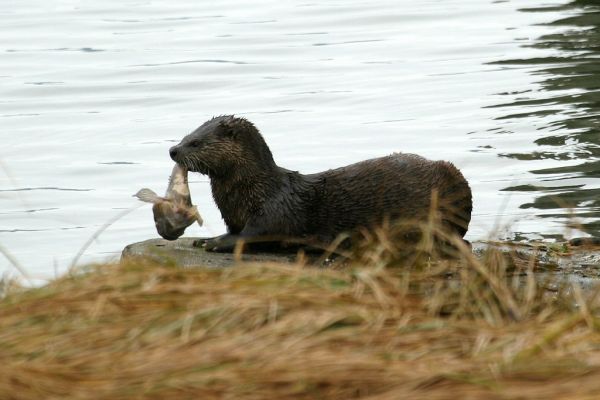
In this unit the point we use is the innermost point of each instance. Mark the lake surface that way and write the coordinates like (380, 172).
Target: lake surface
(95, 93)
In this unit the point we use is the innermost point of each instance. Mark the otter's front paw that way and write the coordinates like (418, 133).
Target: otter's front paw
(211, 245)
(221, 244)
(206, 244)
(199, 242)
(217, 246)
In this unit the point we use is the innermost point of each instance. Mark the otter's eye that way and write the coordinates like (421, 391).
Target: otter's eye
(195, 143)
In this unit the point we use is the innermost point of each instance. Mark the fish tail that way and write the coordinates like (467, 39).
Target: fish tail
(147, 196)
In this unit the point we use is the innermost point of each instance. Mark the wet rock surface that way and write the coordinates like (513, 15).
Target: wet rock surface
(555, 262)
(182, 252)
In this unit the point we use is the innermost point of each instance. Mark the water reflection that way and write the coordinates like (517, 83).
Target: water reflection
(568, 107)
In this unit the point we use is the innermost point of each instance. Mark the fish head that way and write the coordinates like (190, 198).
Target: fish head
(171, 220)
(167, 231)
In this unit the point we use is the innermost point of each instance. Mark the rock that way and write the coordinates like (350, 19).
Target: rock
(559, 261)
(181, 252)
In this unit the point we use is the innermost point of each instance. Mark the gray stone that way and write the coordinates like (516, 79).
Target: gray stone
(557, 261)
(181, 252)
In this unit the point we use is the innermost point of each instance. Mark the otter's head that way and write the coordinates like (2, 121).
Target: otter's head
(223, 146)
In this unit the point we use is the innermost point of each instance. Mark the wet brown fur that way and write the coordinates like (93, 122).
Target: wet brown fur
(257, 198)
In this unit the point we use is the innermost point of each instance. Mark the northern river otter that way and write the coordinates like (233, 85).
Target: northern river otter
(258, 199)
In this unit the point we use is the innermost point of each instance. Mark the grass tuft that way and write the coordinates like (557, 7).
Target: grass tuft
(390, 324)
(381, 329)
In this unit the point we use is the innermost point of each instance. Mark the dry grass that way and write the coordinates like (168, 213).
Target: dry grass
(386, 327)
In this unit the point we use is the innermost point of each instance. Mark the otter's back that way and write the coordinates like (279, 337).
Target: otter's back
(398, 186)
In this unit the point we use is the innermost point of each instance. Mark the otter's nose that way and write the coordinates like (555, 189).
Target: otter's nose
(173, 152)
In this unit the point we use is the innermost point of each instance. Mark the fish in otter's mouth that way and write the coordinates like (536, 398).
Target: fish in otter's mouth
(174, 212)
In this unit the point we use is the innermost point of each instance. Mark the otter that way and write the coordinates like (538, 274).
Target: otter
(258, 199)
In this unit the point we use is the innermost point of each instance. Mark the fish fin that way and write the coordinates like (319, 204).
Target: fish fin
(197, 215)
(148, 196)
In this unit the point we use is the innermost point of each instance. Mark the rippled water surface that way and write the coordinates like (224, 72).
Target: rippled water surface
(94, 94)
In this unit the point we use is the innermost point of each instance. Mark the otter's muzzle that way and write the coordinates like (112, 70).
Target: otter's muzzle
(173, 151)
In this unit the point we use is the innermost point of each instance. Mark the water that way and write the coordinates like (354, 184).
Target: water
(94, 94)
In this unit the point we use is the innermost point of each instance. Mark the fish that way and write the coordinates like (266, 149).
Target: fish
(174, 212)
